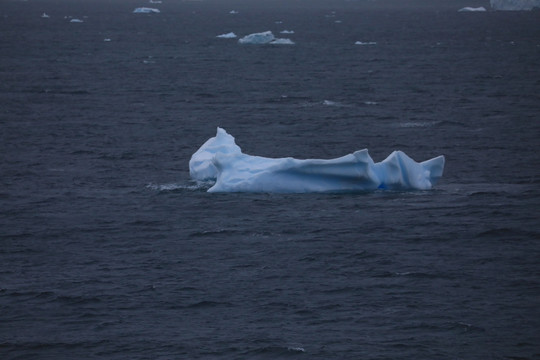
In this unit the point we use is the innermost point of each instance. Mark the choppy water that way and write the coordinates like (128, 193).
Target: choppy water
(109, 251)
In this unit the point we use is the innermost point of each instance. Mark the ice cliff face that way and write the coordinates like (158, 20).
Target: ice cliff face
(514, 5)
(219, 159)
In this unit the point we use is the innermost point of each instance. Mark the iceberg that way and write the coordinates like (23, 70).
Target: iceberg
(469, 9)
(230, 35)
(365, 43)
(282, 42)
(145, 10)
(266, 37)
(514, 5)
(257, 38)
(221, 161)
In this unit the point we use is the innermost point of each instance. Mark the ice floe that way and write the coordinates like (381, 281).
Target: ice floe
(145, 10)
(45, 16)
(219, 159)
(514, 5)
(365, 43)
(76, 21)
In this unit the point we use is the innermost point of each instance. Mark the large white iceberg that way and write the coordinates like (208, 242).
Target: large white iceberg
(514, 5)
(219, 159)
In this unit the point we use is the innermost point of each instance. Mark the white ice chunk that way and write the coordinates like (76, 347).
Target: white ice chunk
(145, 10)
(221, 160)
(282, 42)
(230, 35)
(44, 15)
(257, 38)
(287, 32)
(155, 1)
(76, 21)
(233, 12)
(468, 9)
(365, 43)
(514, 5)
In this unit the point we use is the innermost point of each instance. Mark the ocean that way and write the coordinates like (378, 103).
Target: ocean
(110, 251)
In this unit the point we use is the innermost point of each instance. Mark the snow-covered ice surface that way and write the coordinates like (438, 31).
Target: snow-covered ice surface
(145, 10)
(514, 5)
(221, 160)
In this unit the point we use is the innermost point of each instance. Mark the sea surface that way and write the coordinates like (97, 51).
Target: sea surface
(109, 251)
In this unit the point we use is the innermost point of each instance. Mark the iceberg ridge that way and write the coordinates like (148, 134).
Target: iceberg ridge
(219, 159)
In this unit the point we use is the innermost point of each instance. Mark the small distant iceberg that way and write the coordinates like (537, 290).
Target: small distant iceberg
(221, 161)
(472, 9)
(76, 21)
(266, 37)
(515, 5)
(331, 103)
(287, 32)
(45, 16)
(258, 38)
(232, 12)
(365, 43)
(282, 42)
(230, 35)
(145, 10)
(155, 1)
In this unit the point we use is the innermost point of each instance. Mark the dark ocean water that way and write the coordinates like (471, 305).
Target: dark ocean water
(109, 251)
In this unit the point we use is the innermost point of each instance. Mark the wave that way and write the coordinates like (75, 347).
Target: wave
(183, 186)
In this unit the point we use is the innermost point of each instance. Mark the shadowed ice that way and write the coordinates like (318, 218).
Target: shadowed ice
(219, 159)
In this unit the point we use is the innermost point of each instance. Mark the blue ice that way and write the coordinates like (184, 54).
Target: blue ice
(221, 160)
